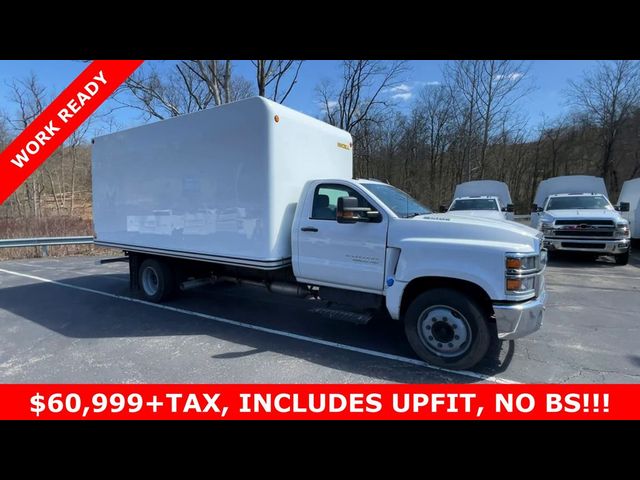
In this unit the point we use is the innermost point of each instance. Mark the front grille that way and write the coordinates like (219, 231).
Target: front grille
(600, 246)
(583, 233)
(604, 223)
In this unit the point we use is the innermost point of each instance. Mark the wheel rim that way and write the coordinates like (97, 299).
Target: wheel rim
(150, 282)
(444, 331)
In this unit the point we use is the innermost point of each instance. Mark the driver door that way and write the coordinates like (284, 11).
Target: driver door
(344, 255)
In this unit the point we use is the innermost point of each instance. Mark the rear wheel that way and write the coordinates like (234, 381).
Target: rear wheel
(623, 258)
(447, 329)
(157, 281)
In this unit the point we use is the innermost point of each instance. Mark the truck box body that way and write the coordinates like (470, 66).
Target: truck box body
(479, 188)
(220, 185)
(569, 184)
(630, 193)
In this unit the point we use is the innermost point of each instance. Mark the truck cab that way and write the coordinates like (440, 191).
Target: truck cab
(447, 277)
(481, 198)
(481, 206)
(580, 221)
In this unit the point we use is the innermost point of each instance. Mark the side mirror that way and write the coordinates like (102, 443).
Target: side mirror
(511, 208)
(348, 211)
(623, 207)
(443, 208)
(535, 208)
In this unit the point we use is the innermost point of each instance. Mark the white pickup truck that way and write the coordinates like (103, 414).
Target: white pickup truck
(574, 214)
(355, 246)
(481, 198)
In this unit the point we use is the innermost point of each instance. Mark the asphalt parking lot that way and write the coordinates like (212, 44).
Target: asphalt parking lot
(67, 320)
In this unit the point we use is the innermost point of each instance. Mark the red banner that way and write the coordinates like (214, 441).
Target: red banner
(54, 125)
(320, 402)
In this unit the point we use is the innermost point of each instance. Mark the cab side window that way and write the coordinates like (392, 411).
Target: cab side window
(325, 200)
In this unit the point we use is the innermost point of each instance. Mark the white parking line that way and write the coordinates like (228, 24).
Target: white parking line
(281, 333)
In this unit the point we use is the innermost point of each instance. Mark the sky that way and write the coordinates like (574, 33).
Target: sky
(549, 78)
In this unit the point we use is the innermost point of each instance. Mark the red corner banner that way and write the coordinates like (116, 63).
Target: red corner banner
(319, 402)
(54, 125)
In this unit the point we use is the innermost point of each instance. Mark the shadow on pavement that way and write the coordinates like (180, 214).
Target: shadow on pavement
(85, 315)
(586, 260)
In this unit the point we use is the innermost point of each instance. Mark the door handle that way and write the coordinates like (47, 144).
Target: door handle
(309, 229)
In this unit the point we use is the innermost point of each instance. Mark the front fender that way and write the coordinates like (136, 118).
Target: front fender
(481, 264)
(454, 260)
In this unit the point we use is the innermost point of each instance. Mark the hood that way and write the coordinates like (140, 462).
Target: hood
(591, 214)
(478, 213)
(475, 232)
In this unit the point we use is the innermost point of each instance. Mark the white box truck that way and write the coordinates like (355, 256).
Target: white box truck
(629, 204)
(254, 192)
(482, 198)
(574, 214)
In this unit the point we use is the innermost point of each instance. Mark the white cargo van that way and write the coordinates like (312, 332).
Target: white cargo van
(260, 194)
(482, 198)
(574, 214)
(629, 204)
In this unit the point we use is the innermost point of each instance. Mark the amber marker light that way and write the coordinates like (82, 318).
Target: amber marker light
(514, 263)
(514, 284)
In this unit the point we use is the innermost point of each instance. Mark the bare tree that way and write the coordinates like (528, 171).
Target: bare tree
(435, 108)
(29, 96)
(276, 78)
(187, 86)
(553, 135)
(73, 146)
(4, 132)
(360, 92)
(487, 91)
(607, 96)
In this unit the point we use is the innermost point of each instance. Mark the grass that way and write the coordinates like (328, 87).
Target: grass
(54, 226)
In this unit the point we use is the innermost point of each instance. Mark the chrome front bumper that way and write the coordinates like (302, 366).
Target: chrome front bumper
(515, 320)
(610, 246)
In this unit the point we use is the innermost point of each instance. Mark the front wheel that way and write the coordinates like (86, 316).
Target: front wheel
(623, 258)
(447, 329)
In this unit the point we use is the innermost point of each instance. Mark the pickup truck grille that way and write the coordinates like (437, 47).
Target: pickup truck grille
(579, 228)
(602, 223)
(583, 233)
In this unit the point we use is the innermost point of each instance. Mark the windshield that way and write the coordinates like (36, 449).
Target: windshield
(474, 204)
(578, 202)
(399, 202)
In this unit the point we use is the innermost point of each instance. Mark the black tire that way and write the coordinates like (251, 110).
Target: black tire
(466, 316)
(623, 258)
(156, 280)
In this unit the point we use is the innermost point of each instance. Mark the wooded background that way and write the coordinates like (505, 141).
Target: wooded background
(468, 127)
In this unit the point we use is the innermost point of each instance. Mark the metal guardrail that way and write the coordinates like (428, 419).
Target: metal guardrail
(522, 217)
(44, 242)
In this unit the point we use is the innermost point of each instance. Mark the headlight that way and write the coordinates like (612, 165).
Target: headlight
(521, 271)
(545, 227)
(622, 229)
(517, 263)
